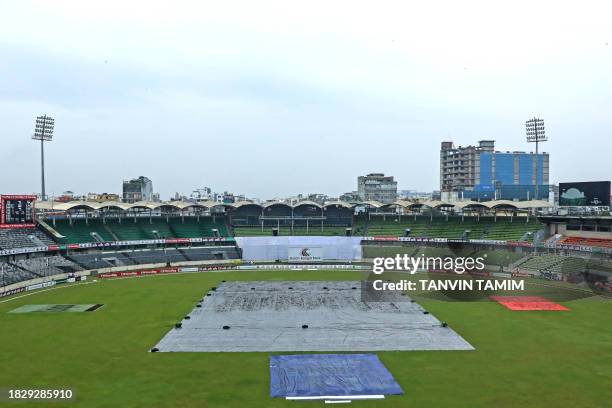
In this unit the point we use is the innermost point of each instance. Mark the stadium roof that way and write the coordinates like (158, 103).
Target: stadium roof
(182, 205)
(339, 204)
(533, 204)
(436, 203)
(465, 204)
(308, 202)
(372, 203)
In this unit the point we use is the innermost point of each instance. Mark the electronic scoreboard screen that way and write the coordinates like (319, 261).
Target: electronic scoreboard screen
(17, 211)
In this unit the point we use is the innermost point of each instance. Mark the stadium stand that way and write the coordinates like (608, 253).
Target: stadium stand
(32, 268)
(82, 231)
(315, 230)
(553, 263)
(49, 265)
(10, 274)
(23, 238)
(98, 260)
(504, 228)
(128, 229)
(187, 228)
(590, 242)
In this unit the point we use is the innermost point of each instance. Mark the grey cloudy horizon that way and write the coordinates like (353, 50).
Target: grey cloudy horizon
(273, 99)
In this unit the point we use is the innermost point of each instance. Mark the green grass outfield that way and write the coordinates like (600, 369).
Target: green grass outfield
(522, 359)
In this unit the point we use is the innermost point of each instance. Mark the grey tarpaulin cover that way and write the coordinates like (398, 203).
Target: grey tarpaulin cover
(312, 375)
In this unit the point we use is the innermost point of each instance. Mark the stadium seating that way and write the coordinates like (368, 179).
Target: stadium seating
(128, 229)
(98, 260)
(10, 273)
(589, 242)
(504, 228)
(553, 263)
(32, 268)
(47, 266)
(191, 227)
(80, 231)
(23, 238)
(285, 231)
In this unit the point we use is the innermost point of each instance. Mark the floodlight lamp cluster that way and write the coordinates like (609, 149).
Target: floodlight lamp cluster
(43, 130)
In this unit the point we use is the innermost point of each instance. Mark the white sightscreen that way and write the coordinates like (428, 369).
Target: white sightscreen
(273, 248)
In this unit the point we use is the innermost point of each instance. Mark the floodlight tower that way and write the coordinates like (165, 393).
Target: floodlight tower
(536, 134)
(43, 131)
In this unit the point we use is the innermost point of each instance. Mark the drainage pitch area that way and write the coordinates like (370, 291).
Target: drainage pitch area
(330, 375)
(56, 308)
(306, 316)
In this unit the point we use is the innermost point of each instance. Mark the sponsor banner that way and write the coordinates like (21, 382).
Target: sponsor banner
(149, 272)
(144, 272)
(520, 244)
(382, 238)
(305, 254)
(16, 251)
(435, 240)
(177, 240)
(304, 266)
(521, 275)
(40, 285)
(11, 226)
(11, 292)
(216, 268)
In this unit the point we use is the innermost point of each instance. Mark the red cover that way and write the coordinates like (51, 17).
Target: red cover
(528, 303)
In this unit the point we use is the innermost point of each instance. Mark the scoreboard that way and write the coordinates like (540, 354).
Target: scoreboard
(17, 211)
(588, 193)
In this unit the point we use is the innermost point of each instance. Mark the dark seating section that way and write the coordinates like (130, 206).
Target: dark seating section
(10, 274)
(48, 265)
(36, 267)
(23, 238)
(98, 260)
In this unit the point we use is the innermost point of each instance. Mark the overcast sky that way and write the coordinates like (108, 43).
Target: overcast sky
(278, 98)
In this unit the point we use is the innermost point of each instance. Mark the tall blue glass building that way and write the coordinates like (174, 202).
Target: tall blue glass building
(481, 173)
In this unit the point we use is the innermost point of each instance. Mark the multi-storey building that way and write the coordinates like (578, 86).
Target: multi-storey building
(480, 172)
(378, 187)
(138, 189)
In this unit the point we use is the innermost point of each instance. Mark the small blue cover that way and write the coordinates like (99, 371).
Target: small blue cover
(315, 375)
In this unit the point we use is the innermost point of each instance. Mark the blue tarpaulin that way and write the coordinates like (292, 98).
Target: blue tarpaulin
(312, 375)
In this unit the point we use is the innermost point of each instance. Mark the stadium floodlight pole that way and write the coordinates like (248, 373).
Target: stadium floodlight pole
(43, 131)
(535, 134)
